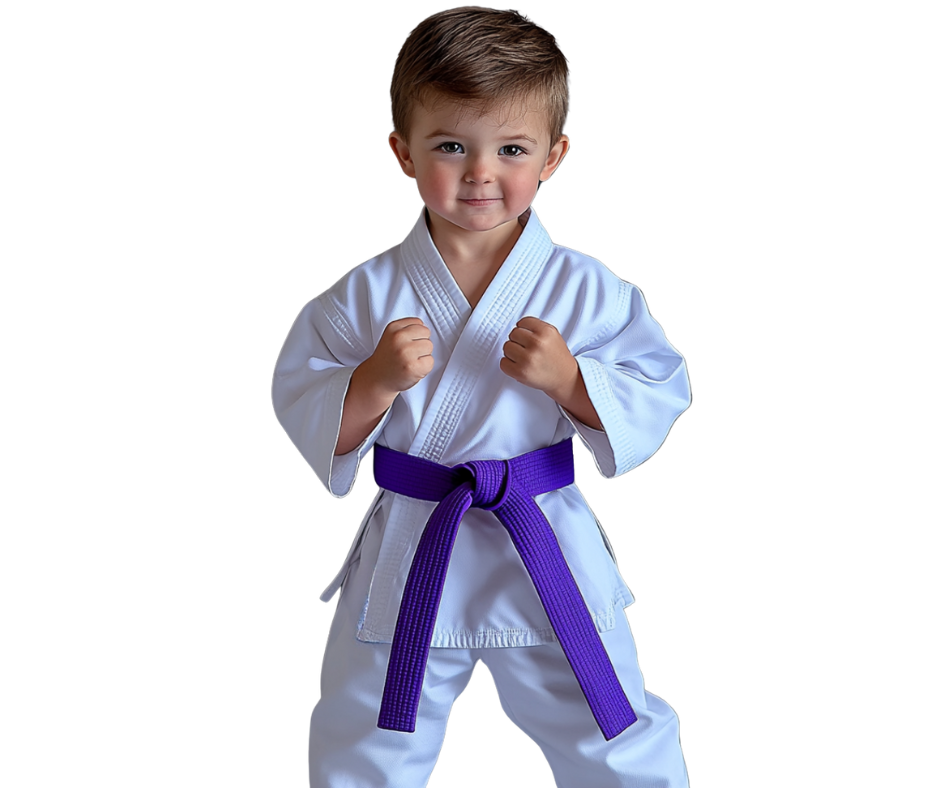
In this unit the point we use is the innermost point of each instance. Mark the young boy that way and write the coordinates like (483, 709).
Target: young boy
(469, 356)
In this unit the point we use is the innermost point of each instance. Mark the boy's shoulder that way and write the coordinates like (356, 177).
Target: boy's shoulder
(581, 264)
(376, 275)
(585, 296)
(587, 276)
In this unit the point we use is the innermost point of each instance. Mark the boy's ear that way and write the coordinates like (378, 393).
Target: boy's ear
(555, 155)
(402, 153)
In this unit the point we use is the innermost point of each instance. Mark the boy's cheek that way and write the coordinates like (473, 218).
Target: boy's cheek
(435, 188)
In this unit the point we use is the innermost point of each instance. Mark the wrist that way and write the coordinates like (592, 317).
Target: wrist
(566, 390)
(375, 398)
(574, 399)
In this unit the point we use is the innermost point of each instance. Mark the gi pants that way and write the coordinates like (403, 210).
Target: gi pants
(536, 689)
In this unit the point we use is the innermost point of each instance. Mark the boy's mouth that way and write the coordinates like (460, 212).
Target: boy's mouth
(481, 202)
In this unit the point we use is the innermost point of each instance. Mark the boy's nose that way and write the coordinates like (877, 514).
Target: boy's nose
(479, 171)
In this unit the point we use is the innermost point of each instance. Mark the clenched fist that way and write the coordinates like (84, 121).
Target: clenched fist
(402, 357)
(537, 356)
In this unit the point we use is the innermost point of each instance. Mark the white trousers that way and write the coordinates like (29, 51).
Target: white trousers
(536, 687)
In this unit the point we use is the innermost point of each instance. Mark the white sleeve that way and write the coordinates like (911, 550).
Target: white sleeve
(637, 383)
(310, 382)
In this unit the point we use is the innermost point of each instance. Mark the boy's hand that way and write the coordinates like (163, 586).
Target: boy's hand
(537, 356)
(402, 357)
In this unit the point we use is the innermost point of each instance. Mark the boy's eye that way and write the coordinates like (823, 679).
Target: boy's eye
(511, 151)
(451, 147)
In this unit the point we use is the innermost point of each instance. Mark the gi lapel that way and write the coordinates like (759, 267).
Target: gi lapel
(475, 335)
(445, 305)
(486, 329)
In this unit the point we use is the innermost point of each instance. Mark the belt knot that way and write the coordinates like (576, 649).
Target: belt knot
(508, 489)
(491, 482)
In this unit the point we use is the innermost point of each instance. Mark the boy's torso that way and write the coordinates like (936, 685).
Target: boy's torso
(468, 409)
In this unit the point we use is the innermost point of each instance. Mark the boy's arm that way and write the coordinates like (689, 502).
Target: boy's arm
(363, 409)
(402, 358)
(332, 391)
(536, 355)
(634, 381)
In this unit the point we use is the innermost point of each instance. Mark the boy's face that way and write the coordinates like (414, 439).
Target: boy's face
(477, 172)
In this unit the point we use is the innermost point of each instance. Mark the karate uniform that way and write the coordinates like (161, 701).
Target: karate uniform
(468, 409)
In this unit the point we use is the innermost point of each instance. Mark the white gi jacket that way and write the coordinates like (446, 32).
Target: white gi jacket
(468, 409)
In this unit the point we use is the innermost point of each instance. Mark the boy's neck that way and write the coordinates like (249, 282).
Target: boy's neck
(473, 258)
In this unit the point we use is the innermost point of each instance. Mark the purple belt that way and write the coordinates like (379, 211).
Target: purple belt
(506, 488)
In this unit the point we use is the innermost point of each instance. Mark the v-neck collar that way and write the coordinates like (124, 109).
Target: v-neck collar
(445, 302)
(472, 335)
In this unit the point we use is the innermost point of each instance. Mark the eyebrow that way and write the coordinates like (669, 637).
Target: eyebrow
(508, 138)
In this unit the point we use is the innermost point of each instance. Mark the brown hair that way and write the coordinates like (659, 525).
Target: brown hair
(480, 57)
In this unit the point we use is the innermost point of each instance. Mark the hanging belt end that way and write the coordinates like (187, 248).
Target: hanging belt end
(390, 721)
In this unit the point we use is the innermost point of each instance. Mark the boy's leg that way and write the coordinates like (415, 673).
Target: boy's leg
(347, 750)
(541, 695)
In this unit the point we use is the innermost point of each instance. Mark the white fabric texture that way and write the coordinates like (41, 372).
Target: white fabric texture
(467, 408)
(537, 691)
